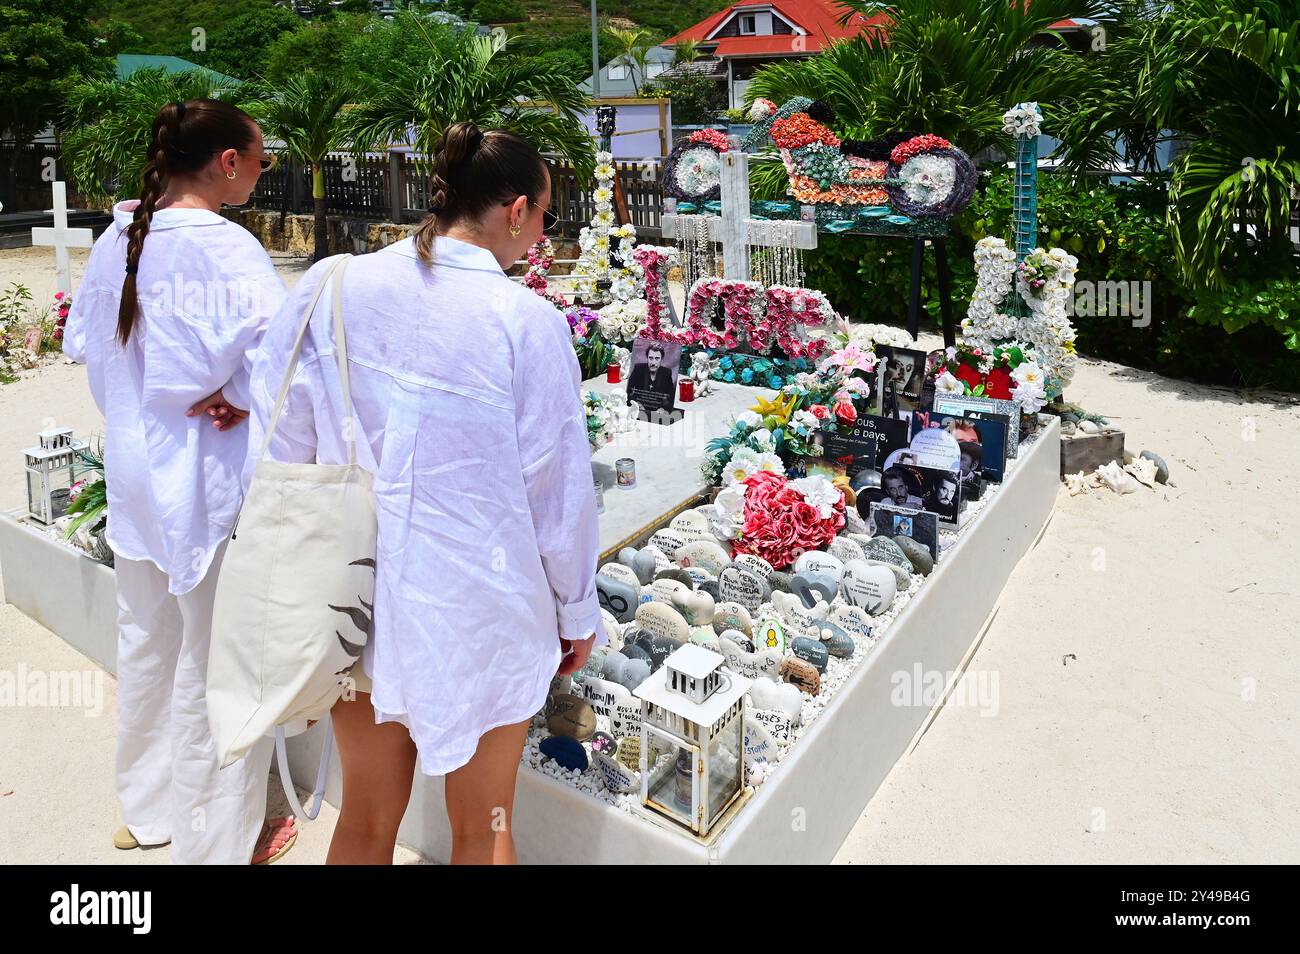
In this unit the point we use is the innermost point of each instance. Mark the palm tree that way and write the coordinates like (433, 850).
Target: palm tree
(633, 47)
(306, 114)
(106, 124)
(466, 78)
(1221, 78)
(949, 67)
(686, 51)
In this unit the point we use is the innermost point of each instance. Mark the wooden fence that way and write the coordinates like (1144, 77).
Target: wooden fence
(26, 171)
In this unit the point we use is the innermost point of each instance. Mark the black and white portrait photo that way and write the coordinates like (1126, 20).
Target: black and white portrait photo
(900, 378)
(653, 381)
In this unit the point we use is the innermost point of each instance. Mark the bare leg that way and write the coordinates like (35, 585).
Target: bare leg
(481, 799)
(378, 766)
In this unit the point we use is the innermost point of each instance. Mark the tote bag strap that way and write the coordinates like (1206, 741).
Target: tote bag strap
(335, 272)
(322, 771)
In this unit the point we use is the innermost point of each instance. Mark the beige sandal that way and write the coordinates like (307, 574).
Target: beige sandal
(284, 849)
(122, 838)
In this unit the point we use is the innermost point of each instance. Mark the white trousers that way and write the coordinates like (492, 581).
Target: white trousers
(167, 776)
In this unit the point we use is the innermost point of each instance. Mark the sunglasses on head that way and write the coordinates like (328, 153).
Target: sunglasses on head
(268, 162)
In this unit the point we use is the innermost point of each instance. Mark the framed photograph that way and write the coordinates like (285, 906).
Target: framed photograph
(936, 489)
(988, 432)
(888, 520)
(900, 381)
(653, 381)
(959, 404)
(864, 447)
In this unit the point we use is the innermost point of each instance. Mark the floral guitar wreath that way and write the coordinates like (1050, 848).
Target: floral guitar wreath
(920, 176)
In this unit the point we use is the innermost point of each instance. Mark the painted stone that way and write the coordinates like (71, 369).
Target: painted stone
(667, 540)
(802, 675)
(661, 619)
(739, 638)
(813, 588)
(918, 553)
(698, 575)
(770, 634)
(751, 665)
(776, 721)
(711, 587)
(838, 642)
(658, 555)
(705, 554)
(618, 597)
(571, 716)
(697, 608)
(616, 776)
(603, 742)
(885, 552)
(692, 525)
(754, 564)
(812, 651)
(706, 637)
(738, 585)
(796, 614)
(614, 703)
(844, 549)
(565, 752)
(854, 522)
(676, 573)
(613, 629)
(815, 561)
(779, 580)
(861, 539)
(759, 744)
(659, 647)
(666, 591)
(733, 616)
(853, 619)
(772, 694)
(870, 587)
(629, 752)
(595, 663)
(621, 572)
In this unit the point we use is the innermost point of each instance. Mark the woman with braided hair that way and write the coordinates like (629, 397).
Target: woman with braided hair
(465, 390)
(174, 299)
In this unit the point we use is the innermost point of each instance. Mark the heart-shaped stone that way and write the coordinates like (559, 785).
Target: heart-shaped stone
(754, 564)
(733, 616)
(619, 598)
(796, 615)
(814, 588)
(750, 665)
(870, 587)
(739, 585)
(698, 608)
(800, 674)
(662, 619)
(770, 634)
(771, 694)
(816, 561)
(776, 721)
(812, 651)
(706, 554)
(640, 562)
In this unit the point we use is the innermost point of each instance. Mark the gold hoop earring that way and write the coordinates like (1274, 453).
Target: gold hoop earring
(515, 230)
(230, 175)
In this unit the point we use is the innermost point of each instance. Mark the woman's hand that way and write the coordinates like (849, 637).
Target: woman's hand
(576, 652)
(224, 414)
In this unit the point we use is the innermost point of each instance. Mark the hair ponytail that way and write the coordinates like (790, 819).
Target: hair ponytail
(472, 171)
(185, 137)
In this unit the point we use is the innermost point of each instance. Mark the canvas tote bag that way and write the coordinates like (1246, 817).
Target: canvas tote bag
(295, 597)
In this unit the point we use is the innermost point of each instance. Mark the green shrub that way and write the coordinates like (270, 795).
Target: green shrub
(498, 11)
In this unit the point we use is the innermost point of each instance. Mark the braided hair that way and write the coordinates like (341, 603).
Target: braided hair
(185, 137)
(472, 171)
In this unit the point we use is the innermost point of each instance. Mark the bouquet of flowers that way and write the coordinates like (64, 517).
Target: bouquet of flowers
(600, 418)
(784, 518)
(1004, 373)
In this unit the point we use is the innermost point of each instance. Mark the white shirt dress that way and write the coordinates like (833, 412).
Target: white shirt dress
(466, 390)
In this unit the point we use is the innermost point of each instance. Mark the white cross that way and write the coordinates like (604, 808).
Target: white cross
(734, 228)
(62, 237)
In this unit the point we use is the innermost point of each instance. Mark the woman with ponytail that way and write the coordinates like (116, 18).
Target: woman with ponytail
(174, 300)
(465, 392)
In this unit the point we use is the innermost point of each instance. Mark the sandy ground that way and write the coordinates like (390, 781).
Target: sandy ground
(1144, 656)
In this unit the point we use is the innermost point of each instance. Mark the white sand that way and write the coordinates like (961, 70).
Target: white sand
(1144, 651)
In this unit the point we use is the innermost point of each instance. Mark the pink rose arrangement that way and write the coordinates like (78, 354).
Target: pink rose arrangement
(654, 262)
(785, 518)
(541, 256)
(712, 137)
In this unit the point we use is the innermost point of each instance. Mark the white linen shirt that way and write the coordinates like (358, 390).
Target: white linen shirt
(466, 391)
(206, 289)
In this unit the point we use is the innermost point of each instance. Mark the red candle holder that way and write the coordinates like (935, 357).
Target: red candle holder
(686, 390)
(614, 373)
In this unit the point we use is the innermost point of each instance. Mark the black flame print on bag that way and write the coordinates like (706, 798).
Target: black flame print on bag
(362, 618)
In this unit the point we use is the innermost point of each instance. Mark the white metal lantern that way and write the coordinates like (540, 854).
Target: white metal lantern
(692, 738)
(51, 472)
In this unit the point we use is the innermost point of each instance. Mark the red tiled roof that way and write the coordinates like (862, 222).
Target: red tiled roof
(819, 17)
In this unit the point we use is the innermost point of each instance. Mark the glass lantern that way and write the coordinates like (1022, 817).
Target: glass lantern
(51, 471)
(692, 736)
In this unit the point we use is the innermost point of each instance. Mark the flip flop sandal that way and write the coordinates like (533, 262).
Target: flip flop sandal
(123, 839)
(284, 849)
